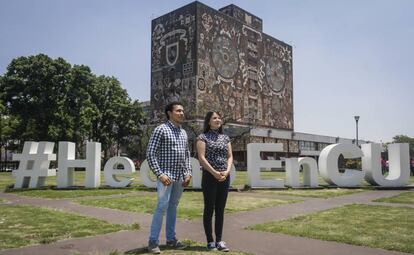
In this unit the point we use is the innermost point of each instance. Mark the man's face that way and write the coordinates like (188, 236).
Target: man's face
(177, 114)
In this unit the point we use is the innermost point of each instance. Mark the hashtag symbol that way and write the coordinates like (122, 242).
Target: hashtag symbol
(34, 164)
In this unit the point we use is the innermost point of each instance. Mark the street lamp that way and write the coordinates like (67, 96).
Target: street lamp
(356, 121)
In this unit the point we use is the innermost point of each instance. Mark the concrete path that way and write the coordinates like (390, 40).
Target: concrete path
(234, 231)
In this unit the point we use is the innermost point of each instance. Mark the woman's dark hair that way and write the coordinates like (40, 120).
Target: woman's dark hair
(207, 122)
(170, 107)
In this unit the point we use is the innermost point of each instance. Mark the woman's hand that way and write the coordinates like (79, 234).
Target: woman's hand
(225, 173)
(218, 175)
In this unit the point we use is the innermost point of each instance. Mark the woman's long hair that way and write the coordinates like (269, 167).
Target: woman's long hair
(207, 122)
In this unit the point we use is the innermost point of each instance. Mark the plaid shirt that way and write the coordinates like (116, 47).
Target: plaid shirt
(168, 153)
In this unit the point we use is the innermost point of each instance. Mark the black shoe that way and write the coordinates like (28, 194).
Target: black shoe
(211, 246)
(221, 246)
(175, 244)
(153, 248)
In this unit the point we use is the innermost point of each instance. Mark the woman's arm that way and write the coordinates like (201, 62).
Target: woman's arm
(229, 159)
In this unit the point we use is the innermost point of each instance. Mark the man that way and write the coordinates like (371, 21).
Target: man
(169, 158)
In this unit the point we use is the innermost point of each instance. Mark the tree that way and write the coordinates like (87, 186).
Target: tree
(128, 125)
(79, 106)
(44, 99)
(34, 90)
(110, 124)
(405, 139)
(7, 125)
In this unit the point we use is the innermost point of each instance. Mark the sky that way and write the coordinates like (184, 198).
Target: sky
(350, 57)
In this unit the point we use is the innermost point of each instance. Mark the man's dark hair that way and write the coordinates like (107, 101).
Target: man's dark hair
(170, 107)
(207, 122)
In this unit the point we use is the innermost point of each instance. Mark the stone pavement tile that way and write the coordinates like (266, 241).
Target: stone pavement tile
(192, 230)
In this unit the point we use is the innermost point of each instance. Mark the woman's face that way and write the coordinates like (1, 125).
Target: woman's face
(215, 121)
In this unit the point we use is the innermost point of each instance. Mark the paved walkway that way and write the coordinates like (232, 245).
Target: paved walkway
(237, 237)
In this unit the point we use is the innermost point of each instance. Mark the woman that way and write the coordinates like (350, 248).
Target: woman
(215, 156)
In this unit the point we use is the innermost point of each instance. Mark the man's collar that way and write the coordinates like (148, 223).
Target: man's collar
(169, 122)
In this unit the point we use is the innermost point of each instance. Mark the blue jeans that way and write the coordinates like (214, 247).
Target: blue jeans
(168, 199)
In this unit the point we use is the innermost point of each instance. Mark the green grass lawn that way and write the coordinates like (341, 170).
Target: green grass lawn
(51, 192)
(7, 180)
(241, 177)
(403, 198)
(29, 225)
(71, 193)
(384, 227)
(315, 193)
(191, 203)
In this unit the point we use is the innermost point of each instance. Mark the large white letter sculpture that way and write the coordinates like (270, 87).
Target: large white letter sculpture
(328, 165)
(255, 163)
(34, 165)
(144, 173)
(196, 172)
(67, 164)
(399, 168)
(310, 172)
(35, 160)
(111, 170)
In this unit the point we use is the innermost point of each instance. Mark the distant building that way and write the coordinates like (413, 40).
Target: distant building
(221, 60)
(146, 108)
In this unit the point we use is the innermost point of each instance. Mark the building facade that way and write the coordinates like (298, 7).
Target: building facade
(222, 60)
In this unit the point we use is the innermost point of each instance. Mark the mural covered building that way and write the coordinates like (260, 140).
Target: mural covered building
(221, 60)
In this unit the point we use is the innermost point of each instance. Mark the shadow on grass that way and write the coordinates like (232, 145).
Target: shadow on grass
(167, 250)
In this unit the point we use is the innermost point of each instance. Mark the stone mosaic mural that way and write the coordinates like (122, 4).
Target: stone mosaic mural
(221, 60)
(242, 72)
(173, 59)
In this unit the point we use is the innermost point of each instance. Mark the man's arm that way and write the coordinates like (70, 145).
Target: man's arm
(187, 171)
(152, 151)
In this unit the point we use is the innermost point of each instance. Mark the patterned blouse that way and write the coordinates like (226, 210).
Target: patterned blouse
(216, 149)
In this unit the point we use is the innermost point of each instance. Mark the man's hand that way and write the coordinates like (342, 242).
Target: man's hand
(186, 181)
(165, 180)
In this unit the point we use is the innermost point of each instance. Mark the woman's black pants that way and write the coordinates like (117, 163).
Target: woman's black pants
(215, 198)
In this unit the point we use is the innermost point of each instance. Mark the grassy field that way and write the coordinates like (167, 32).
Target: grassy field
(18, 227)
(376, 226)
(315, 193)
(50, 191)
(6, 180)
(384, 227)
(403, 198)
(190, 207)
(71, 193)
